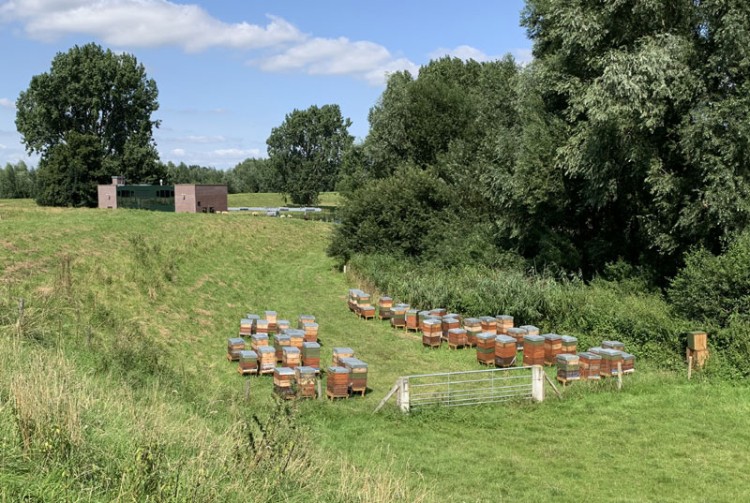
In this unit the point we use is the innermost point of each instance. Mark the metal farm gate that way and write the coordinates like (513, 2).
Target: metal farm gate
(474, 387)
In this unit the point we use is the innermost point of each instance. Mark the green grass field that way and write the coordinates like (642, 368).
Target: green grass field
(273, 200)
(114, 385)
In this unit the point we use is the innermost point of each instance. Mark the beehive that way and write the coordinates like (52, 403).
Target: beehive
(353, 298)
(262, 327)
(567, 367)
(306, 380)
(449, 323)
(628, 363)
(489, 324)
(279, 342)
(291, 357)
(283, 382)
(552, 348)
(486, 348)
(569, 345)
(518, 334)
(357, 374)
(339, 353)
(254, 321)
(473, 328)
(505, 351)
(438, 312)
(304, 318)
(272, 319)
(310, 331)
(234, 346)
(616, 345)
(697, 341)
(367, 312)
(457, 338)
(248, 362)
(385, 308)
(266, 359)
(504, 322)
(421, 316)
(337, 382)
(282, 326)
(610, 358)
(530, 329)
(456, 316)
(533, 350)
(258, 340)
(432, 332)
(246, 327)
(296, 337)
(589, 366)
(398, 316)
(311, 354)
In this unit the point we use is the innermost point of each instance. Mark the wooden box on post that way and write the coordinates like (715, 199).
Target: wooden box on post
(697, 341)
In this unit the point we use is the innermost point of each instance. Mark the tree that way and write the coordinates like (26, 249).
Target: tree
(307, 150)
(97, 101)
(17, 181)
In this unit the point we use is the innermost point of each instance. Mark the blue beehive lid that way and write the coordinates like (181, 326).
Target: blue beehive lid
(569, 339)
(306, 370)
(353, 363)
(457, 331)
(589, 355)
(552, 337)
(290, 350)
(248, 355)
(486, 336)
(505, 339)
(567, 358)
(266, 349)
(343, 350)
(253, 317)
(504, 317)
(259, 337)
(283, 371)
(235, 341)
(311, 345)
(338, 370)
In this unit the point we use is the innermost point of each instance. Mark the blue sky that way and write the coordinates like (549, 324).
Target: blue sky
(229, 71)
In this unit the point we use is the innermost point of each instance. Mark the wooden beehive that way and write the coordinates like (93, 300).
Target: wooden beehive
(567, 367)
(339, 353)
(357, 374)
(504, 322)
(552, 348)
(398, 315)
(337, 382)
(610, 358)
(367, 312)
(699, 356)
(432, 332)
(304, 318)
(311, 354)
(530, 329)
(254, 321)
(296, 337)
(234, 346)
(489, 324)
(421, 316)
(473, 328)
(248, 362)
(385, 308)
(272, 321)
(438, 312)
(282, 326)
(697, 341)
(457, 338)
(258, 340)
(353, 298)
(589, 366)
(533, 350)
(486, 348)
(311, 331)
(569, 345)
(283, 382)
(291, 357)
(266, 359)
(518, 334)
(262, 327)
(505, 351)
(306, 381)
(628, 363)
(246, 327)
(448, 324)
(616, 345)
(279, 342)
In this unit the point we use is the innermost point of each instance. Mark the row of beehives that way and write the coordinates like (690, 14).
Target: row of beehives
(498, 341)
(297, 350)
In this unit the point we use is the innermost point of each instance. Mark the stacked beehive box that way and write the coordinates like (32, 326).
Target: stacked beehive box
(504, 322)
(697, 348)
(248, 362)
(421, 316)
(296, 337)
(489, 324)
(305, 377)
(628, 363)
(279, 343)
(486, 348)
(448, 323)
(311, 355)
(266, 359)
(533, 350)
(398, 315)
(610, 359)
(364, 308)
(339, 353)
(337, 383)
(262, 327)
(569, 345)
(457, 338)
(518, 334)
(412, 319)
(310, 331)
(531, 329)
(272, 322)
(258, 340)
(246, 327)
(590, 366)
(567, 367)
(304, 318)
(473, 328)
(283, 382)
(456, 316)
(234, 346)
(291, 357)
(353, 297)
(616, 345)
(282, 326)
(357, 374)
(552, 348)
(254, 320)
(385, 308)
(438, 312)
(505, 351)
(432, 332)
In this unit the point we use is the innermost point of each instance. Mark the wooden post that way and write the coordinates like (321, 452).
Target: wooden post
(393, 390)
(320, 391)
(551, 383)
(690, 367)
(403, 395)
(537, 383)
(619, 375)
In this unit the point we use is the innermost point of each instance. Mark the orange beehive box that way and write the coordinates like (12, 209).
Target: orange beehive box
(552, 348)
(533, 350)
(291, 357)
(504, 322)
(489, 324)
(457, 338)
(311, 331)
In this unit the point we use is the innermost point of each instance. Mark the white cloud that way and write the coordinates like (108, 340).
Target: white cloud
(523, 56)
(178, 151)
(205, 139)
(145, 23)
(6, 103)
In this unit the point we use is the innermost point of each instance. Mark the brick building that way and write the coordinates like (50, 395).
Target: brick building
(182, 198)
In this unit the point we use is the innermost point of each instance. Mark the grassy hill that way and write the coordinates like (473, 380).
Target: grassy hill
(114, 385)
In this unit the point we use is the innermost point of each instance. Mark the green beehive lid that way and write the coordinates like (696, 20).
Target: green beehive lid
(248, 356)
